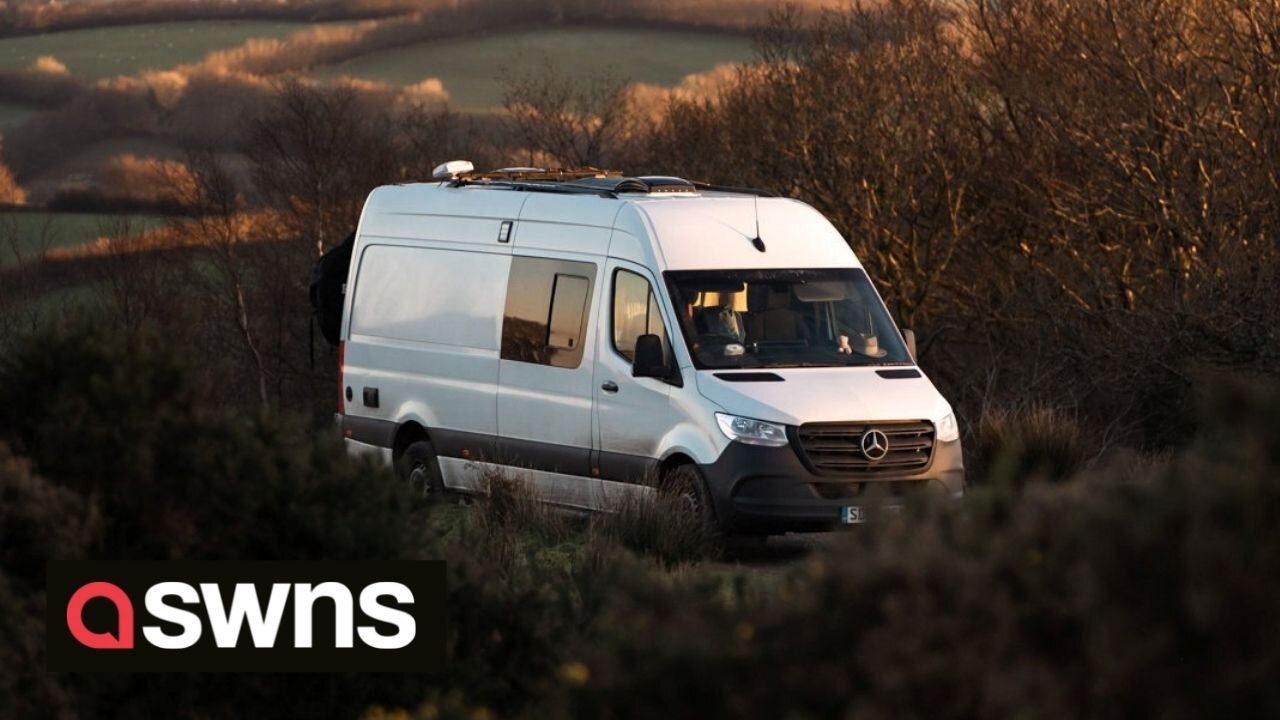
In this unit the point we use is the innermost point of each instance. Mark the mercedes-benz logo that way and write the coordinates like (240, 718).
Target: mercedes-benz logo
(875, 445)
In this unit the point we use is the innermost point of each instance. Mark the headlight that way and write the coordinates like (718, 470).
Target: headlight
(948, 429)
(751, 432)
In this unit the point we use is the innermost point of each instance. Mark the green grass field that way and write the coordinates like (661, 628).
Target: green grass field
(24, 235)
(14, 113)
(127, 49)
(469, 66)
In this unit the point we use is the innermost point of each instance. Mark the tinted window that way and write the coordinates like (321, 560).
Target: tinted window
(545, 321)
(635, 313)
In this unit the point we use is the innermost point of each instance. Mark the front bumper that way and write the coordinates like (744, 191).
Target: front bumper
(770, 490)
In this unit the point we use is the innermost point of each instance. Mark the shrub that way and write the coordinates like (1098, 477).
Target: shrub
(119, 418)
(38, 521)
(116, 422)
(658, 525)
(1104, 596)
(1013, 445)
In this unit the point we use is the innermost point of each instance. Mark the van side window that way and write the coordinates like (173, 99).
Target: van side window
(545, 320)
(568, 300)
(635, 313)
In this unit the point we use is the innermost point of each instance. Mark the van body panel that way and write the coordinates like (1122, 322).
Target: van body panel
(566, 490)
(389, 201)
(808, 395)
(533, 237)
(428, 295)
(717, 234)
(570, 210)
(421, 334)
(625, 246)
(695, 434)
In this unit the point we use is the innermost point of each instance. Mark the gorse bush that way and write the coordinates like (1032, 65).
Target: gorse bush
(39, 521)
(1014, 445)
(1132, 588)
(1102, 596)
(140, 461)
(121, 420)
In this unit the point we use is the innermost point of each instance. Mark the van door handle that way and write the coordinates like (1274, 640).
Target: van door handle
(610, 387)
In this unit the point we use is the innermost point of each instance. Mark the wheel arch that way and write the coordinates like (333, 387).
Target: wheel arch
(408, 433)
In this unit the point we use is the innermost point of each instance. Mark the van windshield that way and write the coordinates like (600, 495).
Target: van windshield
(784, 319)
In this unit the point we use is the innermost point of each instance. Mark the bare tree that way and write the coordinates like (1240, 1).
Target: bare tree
(574, 121)
(21, 251)
(317, 153)
(219, 224)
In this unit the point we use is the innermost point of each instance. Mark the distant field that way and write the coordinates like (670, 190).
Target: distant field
(12, 113)
(37, 232)
(127, 49)
(469, 66)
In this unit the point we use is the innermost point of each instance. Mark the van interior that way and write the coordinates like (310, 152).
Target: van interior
(784, 318)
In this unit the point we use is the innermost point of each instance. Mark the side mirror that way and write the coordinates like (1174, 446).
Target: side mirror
(909, 337)
(649, 360)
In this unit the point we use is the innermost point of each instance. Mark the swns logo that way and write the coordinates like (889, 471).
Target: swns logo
(246, 616)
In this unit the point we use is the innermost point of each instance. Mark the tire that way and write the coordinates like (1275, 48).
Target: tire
(686, 483)
(419, 467)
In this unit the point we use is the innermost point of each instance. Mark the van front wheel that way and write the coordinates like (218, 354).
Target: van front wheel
(685, 484)
(420, 468)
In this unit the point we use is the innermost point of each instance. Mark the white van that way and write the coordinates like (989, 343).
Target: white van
(598, 335)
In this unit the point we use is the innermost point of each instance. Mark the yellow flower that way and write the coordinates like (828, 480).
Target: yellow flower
(575, 673)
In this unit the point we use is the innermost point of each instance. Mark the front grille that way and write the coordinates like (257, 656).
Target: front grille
(836, 448)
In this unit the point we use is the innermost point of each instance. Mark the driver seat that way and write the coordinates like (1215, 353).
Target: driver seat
(772, 317)
(712, 321)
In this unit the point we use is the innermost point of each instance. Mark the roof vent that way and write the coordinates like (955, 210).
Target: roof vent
(452, 169)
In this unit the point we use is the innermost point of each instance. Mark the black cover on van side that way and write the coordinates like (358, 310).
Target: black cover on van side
(328, 284)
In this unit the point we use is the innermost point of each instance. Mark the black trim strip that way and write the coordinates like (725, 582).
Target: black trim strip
(465, 445)
(370, 431)
(547, 457)
(630, 469)
(527, 454)
(750, 377)
(901, 374)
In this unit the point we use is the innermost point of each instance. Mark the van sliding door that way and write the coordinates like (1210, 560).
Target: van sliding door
(545, 376)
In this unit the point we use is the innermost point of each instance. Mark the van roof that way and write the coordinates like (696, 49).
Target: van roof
(675, 224)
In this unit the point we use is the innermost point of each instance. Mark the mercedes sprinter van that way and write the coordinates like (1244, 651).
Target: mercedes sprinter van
(597, 335)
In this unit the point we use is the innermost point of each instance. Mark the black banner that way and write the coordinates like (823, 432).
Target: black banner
(382, 616)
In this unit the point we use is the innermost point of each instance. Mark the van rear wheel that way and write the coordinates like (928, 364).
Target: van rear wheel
(419, 467)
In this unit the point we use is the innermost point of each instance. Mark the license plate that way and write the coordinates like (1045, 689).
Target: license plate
(852, 515)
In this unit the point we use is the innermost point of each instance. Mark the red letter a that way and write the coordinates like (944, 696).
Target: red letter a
(123, 639)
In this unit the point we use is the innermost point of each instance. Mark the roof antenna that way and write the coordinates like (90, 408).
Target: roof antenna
(757, 240)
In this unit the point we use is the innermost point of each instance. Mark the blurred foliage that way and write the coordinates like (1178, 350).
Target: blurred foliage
(1104, 596)
(1137, 587)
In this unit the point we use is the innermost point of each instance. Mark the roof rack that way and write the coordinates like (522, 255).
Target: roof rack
(535, 174)
(581, 181)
